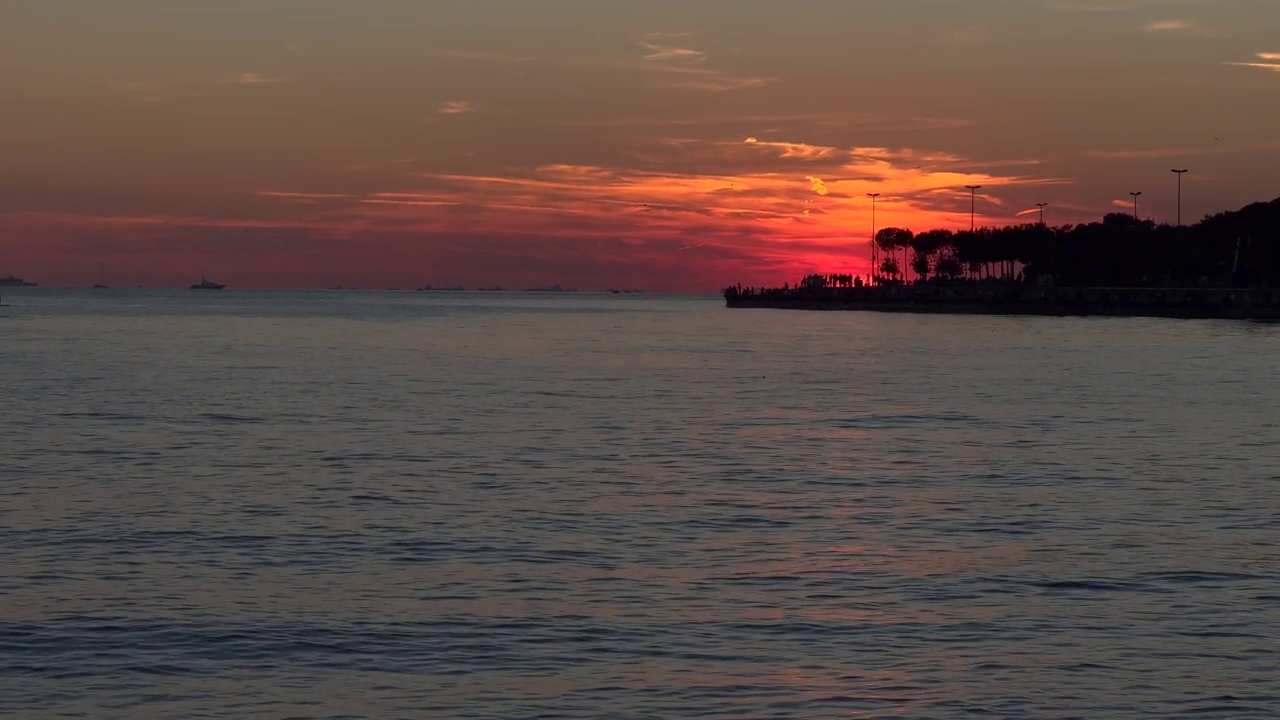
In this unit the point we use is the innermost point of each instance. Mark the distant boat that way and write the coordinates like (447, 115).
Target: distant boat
(102, 280)
(12, 281)
(551, 288)
(206, 285)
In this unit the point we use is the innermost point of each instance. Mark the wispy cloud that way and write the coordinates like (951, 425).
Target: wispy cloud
(485, 56)
(785, 150)
(413, 199)
(752, 122)
(1174, 152)
(1170, 26)
(1181, 26)
(686, 68)
(455, 107)
(155, 90)
(301, 196)
(151, 91)
(1266, 61)
(722, 191)
(1102, 6)
(1274, 67)
(1145, 153)
(672, 53)
(765, 210)
(251, 78)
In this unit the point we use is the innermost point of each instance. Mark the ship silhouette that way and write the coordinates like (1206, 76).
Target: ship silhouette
(206, 285)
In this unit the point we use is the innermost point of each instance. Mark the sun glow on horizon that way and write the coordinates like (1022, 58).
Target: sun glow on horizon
(624, 147)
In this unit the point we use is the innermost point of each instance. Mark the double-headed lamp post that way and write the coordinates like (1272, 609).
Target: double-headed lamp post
(1179, 173)
(874, 270)
(1135, 203)
(1042, 206)
(973, 200)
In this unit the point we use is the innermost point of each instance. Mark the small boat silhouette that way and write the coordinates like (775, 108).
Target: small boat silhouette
(206, 285)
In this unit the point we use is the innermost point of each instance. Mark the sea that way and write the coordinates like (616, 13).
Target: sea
(568, 505)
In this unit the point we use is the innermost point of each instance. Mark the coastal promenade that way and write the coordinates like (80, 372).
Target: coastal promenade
(1007, 298)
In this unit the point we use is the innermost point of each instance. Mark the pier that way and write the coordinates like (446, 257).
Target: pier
(1012, 298)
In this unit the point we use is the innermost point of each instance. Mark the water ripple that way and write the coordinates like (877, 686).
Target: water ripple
(315, 505)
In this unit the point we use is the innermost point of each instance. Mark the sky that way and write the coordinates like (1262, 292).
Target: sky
(663, 145)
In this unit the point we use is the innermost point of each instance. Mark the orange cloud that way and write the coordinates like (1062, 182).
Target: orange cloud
(455, 107)
(1170, 25)
(790, 150)
(775, 206)
(1270, 61)
(690, 214)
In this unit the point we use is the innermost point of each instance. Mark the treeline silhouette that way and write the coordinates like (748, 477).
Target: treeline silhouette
(1236, 248)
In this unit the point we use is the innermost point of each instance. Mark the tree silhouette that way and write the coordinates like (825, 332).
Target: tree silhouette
(1239, 248)
(889, 267)
(1231, 248)
(891, 240)
(947, 267)
(925, 249)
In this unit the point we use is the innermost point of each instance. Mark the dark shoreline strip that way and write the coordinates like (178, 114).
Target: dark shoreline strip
(1020, 299)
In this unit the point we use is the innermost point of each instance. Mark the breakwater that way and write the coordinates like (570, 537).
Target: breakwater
(1021, 299)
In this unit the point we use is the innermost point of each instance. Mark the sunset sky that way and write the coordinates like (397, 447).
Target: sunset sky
(675, 145)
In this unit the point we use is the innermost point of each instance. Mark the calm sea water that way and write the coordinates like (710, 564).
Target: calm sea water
(325, 505)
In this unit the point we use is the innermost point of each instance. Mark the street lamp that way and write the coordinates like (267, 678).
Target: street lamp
(1042, 206)
(973, 190)
(873, 197)
(1179, 174)
(1135, 203)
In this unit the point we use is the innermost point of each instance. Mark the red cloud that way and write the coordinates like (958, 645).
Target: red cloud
(694, 216)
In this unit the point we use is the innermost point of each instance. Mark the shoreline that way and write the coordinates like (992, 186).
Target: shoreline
(1022, 299)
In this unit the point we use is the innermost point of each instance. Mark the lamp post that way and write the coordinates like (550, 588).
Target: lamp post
(1042, 206)
(1135, 203)
(874, 270)
(973, 199)
(1179, 174)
